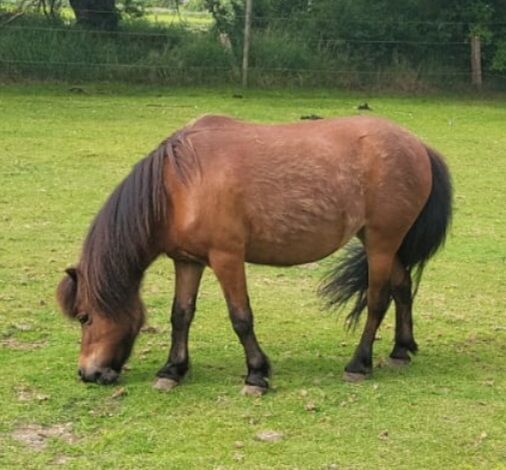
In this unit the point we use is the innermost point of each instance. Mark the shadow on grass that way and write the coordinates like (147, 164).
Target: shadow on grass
(436, 364)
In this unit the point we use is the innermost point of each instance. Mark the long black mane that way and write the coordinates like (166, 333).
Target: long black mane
(121, 242)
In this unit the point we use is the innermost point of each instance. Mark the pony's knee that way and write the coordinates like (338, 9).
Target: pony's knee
(182, 314)
(242, 327)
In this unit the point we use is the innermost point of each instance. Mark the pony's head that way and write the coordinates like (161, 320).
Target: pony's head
(102, 292)
(106, 340)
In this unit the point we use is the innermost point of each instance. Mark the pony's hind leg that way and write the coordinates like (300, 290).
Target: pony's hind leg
(229, 269)
(402, 294)
(188, 277)
(378, 299)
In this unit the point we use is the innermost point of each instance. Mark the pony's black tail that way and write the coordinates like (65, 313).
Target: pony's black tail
(349, 278)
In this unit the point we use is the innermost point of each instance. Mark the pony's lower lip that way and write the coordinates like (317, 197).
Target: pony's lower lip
(103, 377)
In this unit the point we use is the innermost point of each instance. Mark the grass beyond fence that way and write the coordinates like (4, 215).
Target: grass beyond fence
(141, 52)
(62, 153)
(166, 50)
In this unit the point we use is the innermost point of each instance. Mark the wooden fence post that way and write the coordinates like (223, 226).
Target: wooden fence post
(476, 76)
(247, 37)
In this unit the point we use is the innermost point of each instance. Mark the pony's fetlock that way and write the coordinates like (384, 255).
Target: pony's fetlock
(172, 371)
(359, 366)
(257, 379)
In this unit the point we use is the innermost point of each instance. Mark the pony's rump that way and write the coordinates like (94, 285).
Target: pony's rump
(348, 279)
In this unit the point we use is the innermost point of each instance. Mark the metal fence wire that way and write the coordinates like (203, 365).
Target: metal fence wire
(175, 51)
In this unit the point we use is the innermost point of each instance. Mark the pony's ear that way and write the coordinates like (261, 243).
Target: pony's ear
(66, 293)
(72, 272)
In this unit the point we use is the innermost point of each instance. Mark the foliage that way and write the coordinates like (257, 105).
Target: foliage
(132, 8)
(50, 9)
(404, 44)
(195, 5)
(100, 14)
(138, 52)
(227, 15)
(500, 57)
(380, 34)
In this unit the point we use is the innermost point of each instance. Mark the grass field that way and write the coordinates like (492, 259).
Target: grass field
(202, 20)
(61, 155)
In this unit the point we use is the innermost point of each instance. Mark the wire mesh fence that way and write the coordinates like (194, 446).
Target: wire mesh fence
(174, 52)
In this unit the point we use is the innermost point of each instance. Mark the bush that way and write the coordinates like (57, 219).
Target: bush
(499, 62)
(195, 5)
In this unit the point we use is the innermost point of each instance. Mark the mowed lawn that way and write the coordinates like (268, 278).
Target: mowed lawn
(63, 152)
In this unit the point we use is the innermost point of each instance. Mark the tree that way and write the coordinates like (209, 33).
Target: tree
(100, 14)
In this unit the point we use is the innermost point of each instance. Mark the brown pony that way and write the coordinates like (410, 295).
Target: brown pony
(222, 192)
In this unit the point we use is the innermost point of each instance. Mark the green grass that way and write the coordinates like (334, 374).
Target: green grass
(62, 154)
(197, 20)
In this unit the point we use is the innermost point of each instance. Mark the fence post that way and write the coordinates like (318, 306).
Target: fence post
(247, 37)
(476, 76)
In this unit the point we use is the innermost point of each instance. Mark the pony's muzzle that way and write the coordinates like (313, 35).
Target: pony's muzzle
(103, 376)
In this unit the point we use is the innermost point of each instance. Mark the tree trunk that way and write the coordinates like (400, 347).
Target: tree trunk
(100, 14)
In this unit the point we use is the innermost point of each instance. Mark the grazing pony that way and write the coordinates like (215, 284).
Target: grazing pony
(222, 192)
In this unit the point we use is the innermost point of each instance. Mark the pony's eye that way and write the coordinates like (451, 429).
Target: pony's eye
(83, 318)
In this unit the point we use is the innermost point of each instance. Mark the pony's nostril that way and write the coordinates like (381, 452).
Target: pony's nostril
(89, 377)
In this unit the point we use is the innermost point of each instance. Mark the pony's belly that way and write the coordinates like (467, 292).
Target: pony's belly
(296, 248)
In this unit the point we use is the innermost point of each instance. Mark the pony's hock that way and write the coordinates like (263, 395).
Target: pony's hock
(222, 192)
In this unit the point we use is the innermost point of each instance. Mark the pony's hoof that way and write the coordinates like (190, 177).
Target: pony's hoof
(353, 377)
(165, 384)
(253, 391)
(398, 363)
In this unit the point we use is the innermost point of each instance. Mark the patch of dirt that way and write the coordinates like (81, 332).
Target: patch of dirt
(13, 328)
(269, 436)
(150, 329)
(17, 345)
(24, 393)
(35, 436)
(311, 406)
(61, 460)
(383, 435)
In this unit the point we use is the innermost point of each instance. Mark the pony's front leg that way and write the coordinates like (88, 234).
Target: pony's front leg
(188, 277)
(229, 269)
